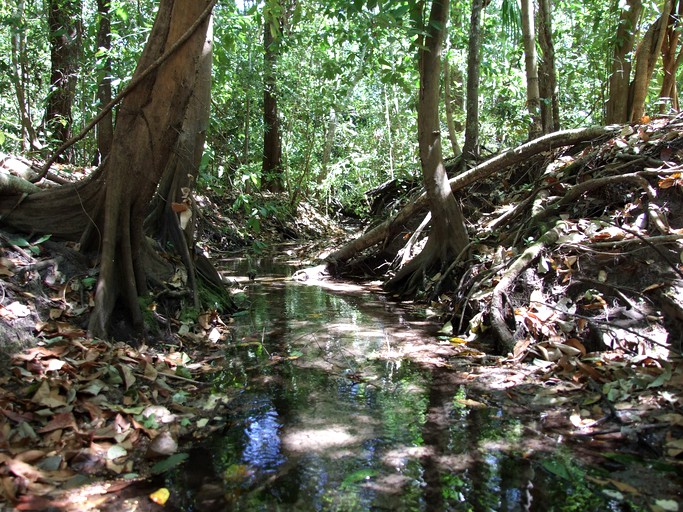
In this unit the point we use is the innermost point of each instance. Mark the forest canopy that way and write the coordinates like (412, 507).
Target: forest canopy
(346, 82)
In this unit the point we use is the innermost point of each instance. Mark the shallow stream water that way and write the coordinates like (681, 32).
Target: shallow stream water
(345, 402)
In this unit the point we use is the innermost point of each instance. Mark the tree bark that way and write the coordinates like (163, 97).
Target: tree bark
(618, 102)
(271, 173)
(19, 78)
(647, 55)
(105, 128)
(471, 146)
(550, 105)
(670, 60)
(448, 103)
(448, 236)
(64, 20)
(146, 131)
(173, 215)
(533, 101)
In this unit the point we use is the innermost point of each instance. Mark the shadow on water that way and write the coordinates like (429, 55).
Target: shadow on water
(341, 408)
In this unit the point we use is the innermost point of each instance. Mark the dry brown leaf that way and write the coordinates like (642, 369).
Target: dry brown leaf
(59, 422)
(589, 371)
(24, 470)
(48, 397)
(9, 488)
(30, 456)
(573, 342)
(127, 375)
(150, 372)
(204, 321)
(623, 487)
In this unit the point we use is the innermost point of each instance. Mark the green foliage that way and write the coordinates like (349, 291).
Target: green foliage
(347, 67)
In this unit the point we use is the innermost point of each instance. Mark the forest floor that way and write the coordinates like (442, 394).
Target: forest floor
(597, 317)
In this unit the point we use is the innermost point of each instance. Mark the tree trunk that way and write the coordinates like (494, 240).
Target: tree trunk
(647, 55)
(174, 211)
(332, 121)
(389, 228)
(448, 103)
(670, 60)
(448, 235)
(531, 64)
(19, 78)
(471, 146)
(64, 20)
(618, 102)
(105, 128)
(550, 106)
(147, 129)
(271, 173)
(107, 209)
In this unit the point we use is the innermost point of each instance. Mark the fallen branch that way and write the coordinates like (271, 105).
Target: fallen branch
(483, 170)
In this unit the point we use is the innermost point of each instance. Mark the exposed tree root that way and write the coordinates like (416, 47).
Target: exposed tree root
(506, 337)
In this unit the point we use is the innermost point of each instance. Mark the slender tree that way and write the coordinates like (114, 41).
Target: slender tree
(617, 108)
(647, 54)
(449, 106)
(671, 59)
(64, 21)
(272, 140)
(105, 128)
(533, 100)
(448, 236)
(19, 77)
(471, 146)
(550, 105)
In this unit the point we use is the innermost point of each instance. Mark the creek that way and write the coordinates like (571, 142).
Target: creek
(344, 401)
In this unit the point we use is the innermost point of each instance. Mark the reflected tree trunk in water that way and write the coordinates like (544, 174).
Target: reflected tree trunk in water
(478, 475)
(435, 435)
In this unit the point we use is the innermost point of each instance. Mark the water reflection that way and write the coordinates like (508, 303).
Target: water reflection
(336, 414)
(262, 446)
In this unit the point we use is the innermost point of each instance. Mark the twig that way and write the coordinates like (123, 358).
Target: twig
(673, 266)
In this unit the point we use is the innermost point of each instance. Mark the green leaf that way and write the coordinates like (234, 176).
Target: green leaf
(182, 371)
(116, 451)
(168, 463)
(359, 476)
(19, 242)
(557, 468)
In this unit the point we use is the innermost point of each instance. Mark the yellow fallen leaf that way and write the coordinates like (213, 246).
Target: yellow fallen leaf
(160, 496)
(623, 487)
(458, 341)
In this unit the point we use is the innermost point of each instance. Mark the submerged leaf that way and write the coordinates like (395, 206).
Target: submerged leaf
(168, 463)
(160, 496)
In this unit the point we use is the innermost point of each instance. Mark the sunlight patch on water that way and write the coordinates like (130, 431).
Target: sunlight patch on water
(318, 440)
